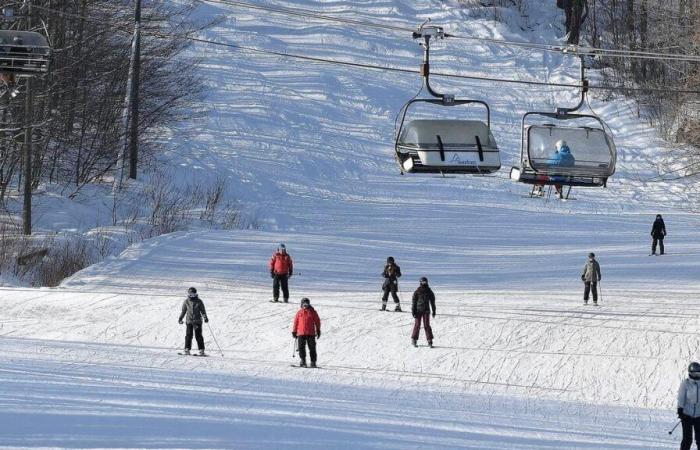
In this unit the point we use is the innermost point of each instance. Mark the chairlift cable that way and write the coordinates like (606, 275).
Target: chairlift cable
(588, 51)
(440, 74)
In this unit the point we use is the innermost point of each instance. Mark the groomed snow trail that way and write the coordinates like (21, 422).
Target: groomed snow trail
(519, 362)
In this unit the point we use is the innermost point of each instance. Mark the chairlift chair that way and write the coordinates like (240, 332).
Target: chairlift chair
(23, 53)
(442, 146)
(587, 136)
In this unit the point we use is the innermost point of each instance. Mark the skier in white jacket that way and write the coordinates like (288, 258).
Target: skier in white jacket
(689, 406)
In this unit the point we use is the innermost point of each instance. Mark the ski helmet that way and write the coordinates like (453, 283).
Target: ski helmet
(390, 260)
(694, 371)
(305, 301)
(591, 255)
(423, 281)
(192, 292)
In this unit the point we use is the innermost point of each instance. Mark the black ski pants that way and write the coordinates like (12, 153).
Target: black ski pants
(660, 241)
(390, 287)
(302, 341)
(197, 329)
(385, 297)
(590, 286)
(277, 282)
(688, 424)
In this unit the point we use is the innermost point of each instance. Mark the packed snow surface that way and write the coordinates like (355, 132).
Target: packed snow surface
(519, 362)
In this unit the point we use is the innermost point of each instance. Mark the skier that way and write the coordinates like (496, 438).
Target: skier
(590, 277)
(281, 269)
(392, 273)
(193, 307)
(562, 158)
(423, 302)
(306, 329)
(658, 232)
(689, 406)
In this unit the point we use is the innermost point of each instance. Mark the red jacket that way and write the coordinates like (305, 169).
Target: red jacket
(307, 322)
(281, 264)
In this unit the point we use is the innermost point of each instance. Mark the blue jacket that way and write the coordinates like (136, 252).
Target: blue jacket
(562, 158)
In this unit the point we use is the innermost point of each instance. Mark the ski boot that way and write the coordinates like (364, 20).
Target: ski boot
(302, 363)
(313, 364)
(286, 300)
(186, 352)
(275, 300)
(398, 308)
(595, 303)
(430, 344)
(414, 342)
(585, 302)
(383, 306)
(201, 352)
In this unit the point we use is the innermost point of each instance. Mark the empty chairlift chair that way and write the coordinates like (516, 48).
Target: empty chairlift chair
(447, 146)
(444, 146)
(23, 53)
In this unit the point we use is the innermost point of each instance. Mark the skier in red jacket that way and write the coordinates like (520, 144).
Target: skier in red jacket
(306, 329)
(281, 269)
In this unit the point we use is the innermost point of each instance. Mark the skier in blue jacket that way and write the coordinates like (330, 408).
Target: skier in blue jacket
(562, 158)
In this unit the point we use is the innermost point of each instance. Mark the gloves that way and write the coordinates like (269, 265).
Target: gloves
(272, 274)
(433, 314)
(583, 278)
(680, 413)
(206, 320)
(294, 334)
(318, 334)
(179, 321)
(290, 275)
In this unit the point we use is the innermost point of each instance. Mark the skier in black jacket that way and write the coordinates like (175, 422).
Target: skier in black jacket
(193, 307)
(658, 233)
(391, 274)
(423, 302)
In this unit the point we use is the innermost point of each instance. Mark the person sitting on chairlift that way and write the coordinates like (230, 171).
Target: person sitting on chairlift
(562, 158)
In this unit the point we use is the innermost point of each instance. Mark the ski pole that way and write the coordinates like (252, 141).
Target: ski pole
(294, 352)
(600, 286)
(674, 428)
(215, 341)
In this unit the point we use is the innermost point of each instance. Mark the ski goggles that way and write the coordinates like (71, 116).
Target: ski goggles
(694, 375)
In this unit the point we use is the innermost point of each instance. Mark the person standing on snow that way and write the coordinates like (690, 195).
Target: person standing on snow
(391, 274)
(281, 269)
(306, 329)
(423, 302)
(658, 233)
(590, 277)
(689, 406)
(193, 308)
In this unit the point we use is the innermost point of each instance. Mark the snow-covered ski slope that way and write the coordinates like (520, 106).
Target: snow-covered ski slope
(519, 362)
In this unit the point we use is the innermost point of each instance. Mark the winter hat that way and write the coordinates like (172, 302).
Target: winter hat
(390, 260)
(192, 292)
(591, 255)
(305, 301)
(423, 281)
(282, 247)
(658, 216)
(694, 371)
(561, 143)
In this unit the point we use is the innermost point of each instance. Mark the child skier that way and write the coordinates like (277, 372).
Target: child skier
(306, 329)
(391, 274)
(689, 406)
(193, 307)
(423, 301)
